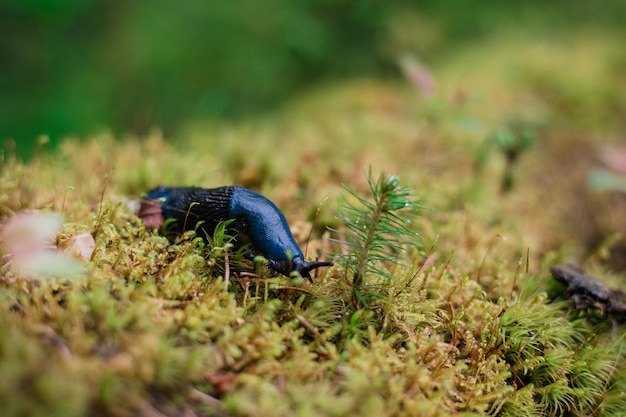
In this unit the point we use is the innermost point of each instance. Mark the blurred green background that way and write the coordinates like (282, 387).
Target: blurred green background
(77, 67)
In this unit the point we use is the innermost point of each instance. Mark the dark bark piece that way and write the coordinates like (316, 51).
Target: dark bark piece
(588, 292)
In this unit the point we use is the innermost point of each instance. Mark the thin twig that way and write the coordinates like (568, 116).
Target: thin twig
(317, 213)
(292, 288)
(482, 263)
(205, 398)
(107, 178)
(226, 271)
(307, 324)
(419, 269)
(148, 410)
(67, 190)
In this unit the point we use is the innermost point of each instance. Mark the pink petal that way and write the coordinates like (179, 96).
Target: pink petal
(81, 246)
(614, 157)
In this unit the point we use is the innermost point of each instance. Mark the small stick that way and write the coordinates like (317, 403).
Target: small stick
(226, 272)
(308, 325)
(205, 398)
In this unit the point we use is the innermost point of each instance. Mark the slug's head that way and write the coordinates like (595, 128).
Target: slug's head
(299, 265)
(266, 227)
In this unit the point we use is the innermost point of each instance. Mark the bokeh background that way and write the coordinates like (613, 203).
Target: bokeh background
(78, 67)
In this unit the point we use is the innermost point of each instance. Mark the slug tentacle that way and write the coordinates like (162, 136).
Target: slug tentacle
(254, 216)
(298, 265)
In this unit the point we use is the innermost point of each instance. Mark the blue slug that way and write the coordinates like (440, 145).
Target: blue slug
(254, 215)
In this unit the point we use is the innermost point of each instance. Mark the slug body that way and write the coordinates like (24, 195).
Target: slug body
(252, 214)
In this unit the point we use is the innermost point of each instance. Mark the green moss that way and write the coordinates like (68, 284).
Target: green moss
(465, 321)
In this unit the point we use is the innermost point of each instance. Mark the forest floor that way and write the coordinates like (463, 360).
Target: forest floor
(517, 151)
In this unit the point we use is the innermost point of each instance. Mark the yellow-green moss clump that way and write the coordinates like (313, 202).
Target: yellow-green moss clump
(462, 319)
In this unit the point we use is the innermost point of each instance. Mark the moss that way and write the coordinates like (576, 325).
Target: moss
(465, 321)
